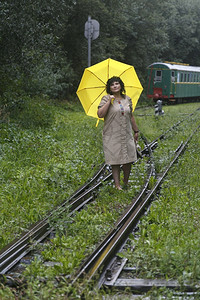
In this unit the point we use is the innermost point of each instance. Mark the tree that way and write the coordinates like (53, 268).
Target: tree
(32, 57)
(109, 43)
(147, 38)
(183, 32)
(44, 51)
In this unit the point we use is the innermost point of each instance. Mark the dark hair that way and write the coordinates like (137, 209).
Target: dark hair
(115, 79)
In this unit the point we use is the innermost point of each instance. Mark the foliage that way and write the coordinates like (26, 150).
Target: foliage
(44, 51)
(167, 242)
(6, 293)
(147, 37)
(43, 152)
(41, 166)
(32, 58)
(27, 112)
(184, 31)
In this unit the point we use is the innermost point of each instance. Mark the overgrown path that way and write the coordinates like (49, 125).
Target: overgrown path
(100, 215)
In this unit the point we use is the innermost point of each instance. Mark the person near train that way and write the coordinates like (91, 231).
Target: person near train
(120, 131)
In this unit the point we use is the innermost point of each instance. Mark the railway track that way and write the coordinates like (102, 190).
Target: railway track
(111, 276)
(14, 252)
(12, 255)
(105, 256)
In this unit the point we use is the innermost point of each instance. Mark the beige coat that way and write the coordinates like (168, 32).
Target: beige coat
(118, 141)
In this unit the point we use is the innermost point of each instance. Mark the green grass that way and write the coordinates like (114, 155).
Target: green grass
(45, 157)
(41, 166)
(168, 240)
(168, 244)
(153, 126)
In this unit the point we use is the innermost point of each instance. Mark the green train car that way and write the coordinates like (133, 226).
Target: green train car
(170, 81)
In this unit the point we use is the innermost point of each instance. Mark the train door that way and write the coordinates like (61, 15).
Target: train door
(172, 85)
(157, 84)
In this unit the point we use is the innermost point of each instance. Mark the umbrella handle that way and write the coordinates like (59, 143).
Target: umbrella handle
(112, 99)
(97, 123)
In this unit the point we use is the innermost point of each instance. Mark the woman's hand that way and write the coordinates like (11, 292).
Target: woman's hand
(102, 111)
(136, 134)
(135, 128)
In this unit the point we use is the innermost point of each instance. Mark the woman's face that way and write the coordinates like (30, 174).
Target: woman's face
(115, 87)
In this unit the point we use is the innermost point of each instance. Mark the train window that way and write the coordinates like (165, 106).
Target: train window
(188, 77)
(185, 77)
(158, 75)
(181, 77)
(191, 77)
(173, 76)
(178, 77)
(194, 77)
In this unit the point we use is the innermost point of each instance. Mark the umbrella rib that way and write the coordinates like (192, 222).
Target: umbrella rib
(92, 88)
(125, 71)
(96, 76)
(135, 87)
(98, 96)
(108, 66)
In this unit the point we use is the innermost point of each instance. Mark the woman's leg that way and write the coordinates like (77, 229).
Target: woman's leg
(116, 175)
(126, 170)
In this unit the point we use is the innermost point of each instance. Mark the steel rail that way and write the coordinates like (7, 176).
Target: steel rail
(114, 269)
(113, 242)
(154, 143)
(101, 253)
(16, 250)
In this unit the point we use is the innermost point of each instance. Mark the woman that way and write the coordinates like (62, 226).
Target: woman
(118, 141)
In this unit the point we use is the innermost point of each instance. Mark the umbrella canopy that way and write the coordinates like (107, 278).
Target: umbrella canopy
(93, 84)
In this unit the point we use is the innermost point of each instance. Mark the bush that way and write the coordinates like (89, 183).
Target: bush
(27, 112)
(51, 76)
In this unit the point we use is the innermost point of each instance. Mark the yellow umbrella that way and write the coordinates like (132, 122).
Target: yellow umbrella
(93, 84)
